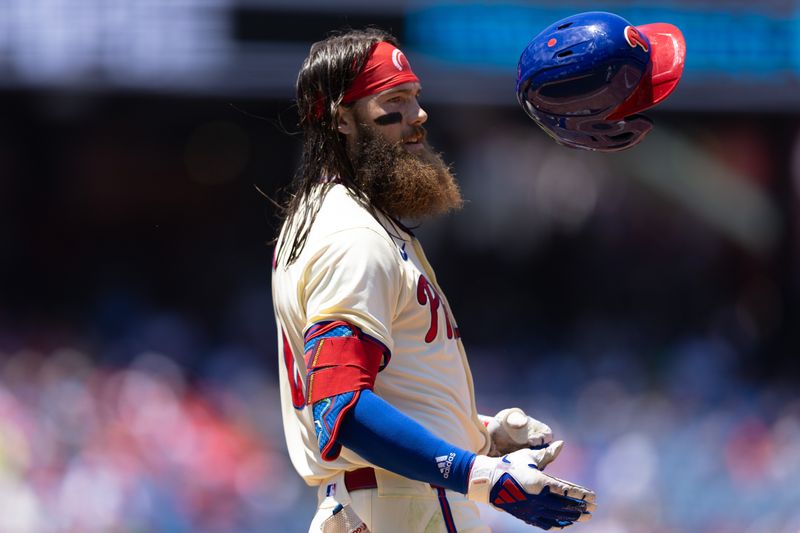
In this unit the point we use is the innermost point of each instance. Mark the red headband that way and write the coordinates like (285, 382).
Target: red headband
(386, 67)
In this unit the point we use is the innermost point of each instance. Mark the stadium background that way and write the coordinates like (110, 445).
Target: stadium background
(644, 304)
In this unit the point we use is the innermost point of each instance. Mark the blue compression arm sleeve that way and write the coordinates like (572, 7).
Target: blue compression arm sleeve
(387, 438)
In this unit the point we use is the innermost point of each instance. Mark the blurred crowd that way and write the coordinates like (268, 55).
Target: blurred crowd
(91, 446)
(88, 448)
(684, 446)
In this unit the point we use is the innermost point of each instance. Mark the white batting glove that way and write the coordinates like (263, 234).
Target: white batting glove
(511, 430)
(515, 484)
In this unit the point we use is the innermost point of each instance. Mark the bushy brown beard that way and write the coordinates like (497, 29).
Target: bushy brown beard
(402, 184)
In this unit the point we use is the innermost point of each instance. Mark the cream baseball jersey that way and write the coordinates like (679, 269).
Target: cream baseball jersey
(375, 276)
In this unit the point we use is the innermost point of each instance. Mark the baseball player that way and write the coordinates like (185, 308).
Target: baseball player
(377, 396)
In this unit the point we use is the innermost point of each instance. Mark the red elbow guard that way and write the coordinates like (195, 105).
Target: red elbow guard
(342, 364)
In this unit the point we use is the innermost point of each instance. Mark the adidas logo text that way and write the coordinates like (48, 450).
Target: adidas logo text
(445, 463)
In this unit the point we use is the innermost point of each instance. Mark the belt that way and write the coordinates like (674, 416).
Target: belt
(363, 478)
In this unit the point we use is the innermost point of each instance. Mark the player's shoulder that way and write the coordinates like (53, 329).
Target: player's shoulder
(343, 227)
(341, 209)
(343, 215)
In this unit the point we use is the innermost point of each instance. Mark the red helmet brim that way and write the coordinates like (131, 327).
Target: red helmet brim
(667, 57)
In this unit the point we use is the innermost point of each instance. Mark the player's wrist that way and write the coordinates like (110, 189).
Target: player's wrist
(479, 483)
(453, 468)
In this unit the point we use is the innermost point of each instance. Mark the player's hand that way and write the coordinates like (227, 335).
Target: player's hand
(511, 430)
(514, 484)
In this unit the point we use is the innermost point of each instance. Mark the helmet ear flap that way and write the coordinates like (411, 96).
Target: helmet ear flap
(596, 134)
(617, 129)
(624, 133)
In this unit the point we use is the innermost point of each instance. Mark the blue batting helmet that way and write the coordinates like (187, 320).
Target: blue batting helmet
(584, 78)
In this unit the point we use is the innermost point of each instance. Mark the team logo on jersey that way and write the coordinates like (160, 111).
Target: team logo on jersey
(635, 38)
(427, 295)
(445, 464)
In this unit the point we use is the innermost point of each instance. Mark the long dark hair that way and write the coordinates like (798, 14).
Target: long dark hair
(330, 68)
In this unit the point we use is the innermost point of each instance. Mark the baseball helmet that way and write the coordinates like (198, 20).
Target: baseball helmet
(585, 78)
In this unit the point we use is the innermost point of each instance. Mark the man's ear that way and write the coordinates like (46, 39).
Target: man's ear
(345, 120)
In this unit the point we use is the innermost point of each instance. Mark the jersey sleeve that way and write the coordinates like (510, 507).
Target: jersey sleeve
(354, 276)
